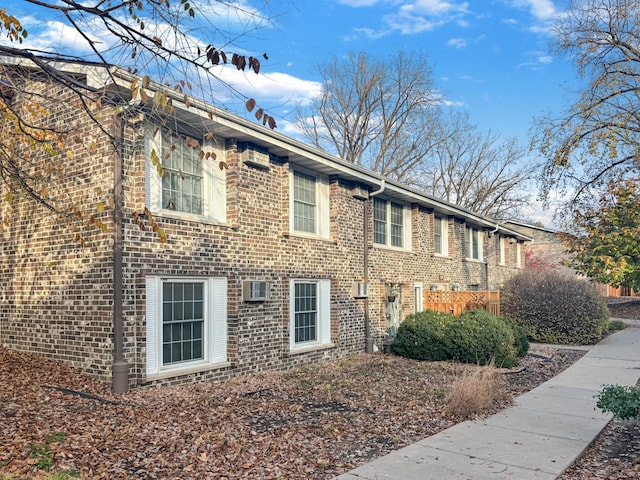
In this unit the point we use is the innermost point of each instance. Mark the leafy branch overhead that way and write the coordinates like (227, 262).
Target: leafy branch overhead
(170, 39)
(597, 138)
(607, 245)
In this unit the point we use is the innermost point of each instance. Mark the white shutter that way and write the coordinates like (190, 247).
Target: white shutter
(406, 213)
(153, 325)
(418, 292)
(215, 180)
(153, 181)
(444, 227)
(322, 184)
(324, 313)
(480, 242)
(217, 326)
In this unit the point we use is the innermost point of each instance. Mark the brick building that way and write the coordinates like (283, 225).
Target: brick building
(277, 254)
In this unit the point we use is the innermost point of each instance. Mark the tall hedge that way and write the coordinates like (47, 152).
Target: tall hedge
(554, 307)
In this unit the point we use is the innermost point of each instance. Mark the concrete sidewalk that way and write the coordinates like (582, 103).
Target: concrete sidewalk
(537, 438)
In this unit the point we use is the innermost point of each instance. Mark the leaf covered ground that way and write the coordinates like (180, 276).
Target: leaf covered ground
(308, 423)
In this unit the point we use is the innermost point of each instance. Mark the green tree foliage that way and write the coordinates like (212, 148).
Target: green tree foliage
(555, 307)
(608, 248)
(597, 139)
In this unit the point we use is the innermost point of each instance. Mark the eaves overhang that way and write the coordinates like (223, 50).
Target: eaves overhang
(201, 114)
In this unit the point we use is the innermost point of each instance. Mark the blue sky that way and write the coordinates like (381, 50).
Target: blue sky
(490, 59)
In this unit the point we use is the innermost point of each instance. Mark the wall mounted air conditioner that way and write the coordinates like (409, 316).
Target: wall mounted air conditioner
(257, 158)
(360, 192)
(255, 291)
(360, 290)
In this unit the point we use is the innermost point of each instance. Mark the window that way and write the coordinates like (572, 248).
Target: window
(304, 202)
(310, 320)
(473, 241)
(309, 204)
(186, 323)
(441, 235)
(182, 182)
(379, 221)
(192, 182)
(519, 255)
(391, 224)
(501, 246)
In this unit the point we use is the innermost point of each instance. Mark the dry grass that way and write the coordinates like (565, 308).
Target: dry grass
(476, 391)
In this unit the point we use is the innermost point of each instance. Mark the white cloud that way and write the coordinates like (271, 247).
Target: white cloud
(424, 15)
(537, 60)
(542, 9)
(412, 17)
(457, 42)
(471, 79)
(359, 3)
(272, 87)
(56, 36)
(544, 13)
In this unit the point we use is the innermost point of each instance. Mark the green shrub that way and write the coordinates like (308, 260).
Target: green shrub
(623, 402)
(475, 337)
(555, 308)
(420, 336)
(479, 337)
(615, 325)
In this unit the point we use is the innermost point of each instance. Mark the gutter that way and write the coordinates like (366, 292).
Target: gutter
(368, 348)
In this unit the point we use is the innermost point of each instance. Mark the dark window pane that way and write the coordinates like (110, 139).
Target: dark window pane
(197, 349)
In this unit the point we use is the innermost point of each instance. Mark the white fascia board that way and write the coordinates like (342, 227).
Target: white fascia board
(328, 164)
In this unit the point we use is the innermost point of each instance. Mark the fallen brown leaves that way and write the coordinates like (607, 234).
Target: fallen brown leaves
(308, 423)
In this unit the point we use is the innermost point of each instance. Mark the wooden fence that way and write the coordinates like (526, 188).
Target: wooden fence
(458, 302)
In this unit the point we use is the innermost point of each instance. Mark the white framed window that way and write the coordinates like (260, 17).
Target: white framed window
(309, 206)
(501, 249)
(186, 323)
(391, 224)
(418, 294)
(184, 176)
(473, 243)
(519, 255)
(441, 235)
(310, 323)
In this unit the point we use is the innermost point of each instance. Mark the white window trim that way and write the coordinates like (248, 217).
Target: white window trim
(418, 292)
(406, 227)
(214, 197)
(215, 325)
(322, 204)
(324, 315)
(518, 255)
(469, 254)
(502, 251)
(444, 229)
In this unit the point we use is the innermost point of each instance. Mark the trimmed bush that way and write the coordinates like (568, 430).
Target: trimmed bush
(475, 337)
(479, 337)
(522, 342)
(420, 336)
(556, 308)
